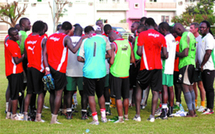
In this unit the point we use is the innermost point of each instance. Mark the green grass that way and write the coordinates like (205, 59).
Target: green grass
(181, 125)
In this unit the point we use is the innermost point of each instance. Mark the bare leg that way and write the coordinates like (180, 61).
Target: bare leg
(138, 99)
(40, 102)
(27, 102)
(125, 105)
(119, 107)
(57, 101)
(154, 102)
(202, 90)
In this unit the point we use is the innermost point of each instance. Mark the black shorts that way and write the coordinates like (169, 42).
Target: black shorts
(15, 84)
(92, 85)
(34, 84)
(133, 72)
(119, 86)
(175, 77)
(59, 79)
(150, 77)
(197, 76)
(186, 74)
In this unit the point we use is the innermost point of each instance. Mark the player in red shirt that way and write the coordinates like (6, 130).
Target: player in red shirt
(55, 59)
(150, 45)
(14, 70)
(34, 45)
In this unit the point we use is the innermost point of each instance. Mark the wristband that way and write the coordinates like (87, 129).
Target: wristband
(47, 69)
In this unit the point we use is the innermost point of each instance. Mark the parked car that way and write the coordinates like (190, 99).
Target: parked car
(122, 31)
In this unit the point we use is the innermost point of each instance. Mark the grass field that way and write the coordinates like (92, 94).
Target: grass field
(204, 124)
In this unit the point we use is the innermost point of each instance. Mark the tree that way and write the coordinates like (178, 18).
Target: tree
(197, 13)
(11, 11)
(58, 10)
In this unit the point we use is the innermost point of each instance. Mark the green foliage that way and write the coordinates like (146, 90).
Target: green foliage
(11, 11)
(197, 13)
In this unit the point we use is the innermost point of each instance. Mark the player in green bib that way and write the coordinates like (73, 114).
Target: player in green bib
(25, 26)
(186, 54)
(122, 56)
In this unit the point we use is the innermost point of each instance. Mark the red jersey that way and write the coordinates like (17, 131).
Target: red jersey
(57, 52)
(152, 41)
(45, 36)
(12, 50)
(177, 39)
(33, 47)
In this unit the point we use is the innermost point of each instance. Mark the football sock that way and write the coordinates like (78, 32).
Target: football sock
(203, 103)
(195, 102)
(54, 118)
(103, 114)
(188, 99)
(126, 116)
(164, 106)
(193, 99)
(38, 116)
(120, 118)
(95, 116)
(7, 103)
(130, 96)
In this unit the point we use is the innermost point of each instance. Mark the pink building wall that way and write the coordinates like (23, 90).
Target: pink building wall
(134, 14)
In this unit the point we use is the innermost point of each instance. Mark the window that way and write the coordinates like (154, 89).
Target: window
(165, 18)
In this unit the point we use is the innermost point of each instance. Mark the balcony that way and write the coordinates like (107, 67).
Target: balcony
(160, 6)
(112, 6)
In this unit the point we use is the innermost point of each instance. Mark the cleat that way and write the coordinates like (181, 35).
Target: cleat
(117, 121)
(104, 120)
(151, 119)
(201, 109)
(94, 123)
(158, 111)
(137, 118)
(39, 121)
(8, 116)
(84, 116)
(208, 111)
(69, 115)
(163, 115)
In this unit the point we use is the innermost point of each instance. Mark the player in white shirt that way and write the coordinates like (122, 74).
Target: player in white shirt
(194, 28)
(74, 75)
(207, 62)
(168, 69)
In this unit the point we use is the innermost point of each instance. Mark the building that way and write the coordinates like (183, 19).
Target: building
(115, 12)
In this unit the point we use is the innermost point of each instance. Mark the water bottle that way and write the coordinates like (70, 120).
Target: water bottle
(181, 107)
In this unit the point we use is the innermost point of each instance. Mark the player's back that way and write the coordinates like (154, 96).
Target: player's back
(57, 52)
(33, 47)
(152, 41)
(95, 50)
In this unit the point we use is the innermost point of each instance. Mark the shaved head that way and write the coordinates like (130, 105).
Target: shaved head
(112, 36)
(179, 29)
